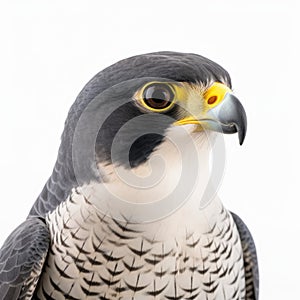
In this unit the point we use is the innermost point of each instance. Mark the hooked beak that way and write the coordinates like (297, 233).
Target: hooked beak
(228, 116)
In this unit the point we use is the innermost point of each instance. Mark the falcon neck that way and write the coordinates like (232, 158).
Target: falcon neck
(175, 179)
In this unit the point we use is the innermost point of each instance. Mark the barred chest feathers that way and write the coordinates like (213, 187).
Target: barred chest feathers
(187, 255)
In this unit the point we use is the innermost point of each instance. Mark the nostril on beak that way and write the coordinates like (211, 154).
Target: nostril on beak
(211, 100)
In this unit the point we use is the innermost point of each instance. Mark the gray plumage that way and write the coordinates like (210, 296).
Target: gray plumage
(250, 258)
(70, 243)
(21, 259)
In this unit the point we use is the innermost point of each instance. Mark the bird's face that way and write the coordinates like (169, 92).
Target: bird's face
(145, 110)
(211, 106)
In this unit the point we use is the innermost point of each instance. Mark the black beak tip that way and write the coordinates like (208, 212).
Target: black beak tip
(241, 139)
(240, 121)
(242, 133)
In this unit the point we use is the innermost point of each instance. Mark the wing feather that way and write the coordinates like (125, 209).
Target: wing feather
(250, 259)
(21, 259)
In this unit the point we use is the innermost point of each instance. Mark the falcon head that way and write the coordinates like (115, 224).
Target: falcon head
(141, 125)
(126, 111)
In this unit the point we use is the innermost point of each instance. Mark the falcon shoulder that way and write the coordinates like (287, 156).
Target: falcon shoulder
(250, 259)
(21, 259)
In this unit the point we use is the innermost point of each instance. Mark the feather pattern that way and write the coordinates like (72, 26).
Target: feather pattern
(94, 256)
(250, 259)
(21, 259)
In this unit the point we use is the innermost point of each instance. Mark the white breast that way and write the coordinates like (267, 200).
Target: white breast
(179, 257)
(116, 240)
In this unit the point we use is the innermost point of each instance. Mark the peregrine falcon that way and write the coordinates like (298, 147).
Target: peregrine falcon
(124, 214)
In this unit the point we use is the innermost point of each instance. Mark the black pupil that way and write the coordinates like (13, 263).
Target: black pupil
(158, 96)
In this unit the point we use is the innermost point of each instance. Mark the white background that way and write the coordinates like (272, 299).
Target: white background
(50, 49)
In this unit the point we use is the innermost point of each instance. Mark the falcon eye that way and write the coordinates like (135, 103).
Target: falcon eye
(158, 96)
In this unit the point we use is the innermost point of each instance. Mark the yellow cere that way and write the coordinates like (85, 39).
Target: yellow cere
(215, 94)
(201, 99)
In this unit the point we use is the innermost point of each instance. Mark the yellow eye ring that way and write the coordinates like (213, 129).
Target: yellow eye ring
(157, 96)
